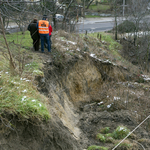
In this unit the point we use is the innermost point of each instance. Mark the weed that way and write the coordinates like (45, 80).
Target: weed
(125, 145)
(109, 140)
(105, 130)
(121, 132)
(101, 137)
(95, 147)
(109, 135)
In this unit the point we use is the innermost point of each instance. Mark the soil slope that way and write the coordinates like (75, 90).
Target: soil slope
(86, 93)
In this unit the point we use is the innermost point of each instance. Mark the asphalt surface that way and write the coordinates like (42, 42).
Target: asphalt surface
(87, 24)
(95, 25)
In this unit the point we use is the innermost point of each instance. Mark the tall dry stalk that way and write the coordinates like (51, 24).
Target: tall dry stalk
(11, 63)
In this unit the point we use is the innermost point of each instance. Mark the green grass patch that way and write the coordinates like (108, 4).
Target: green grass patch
(101, 137)
(125, 145)
(113, 45)
(105, 130)
(99, 7)
(95, 147)
(24, 40)
(121, 132)
(19, 97)
(92, 16)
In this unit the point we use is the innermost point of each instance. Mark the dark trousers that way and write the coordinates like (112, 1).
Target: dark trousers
(46, 37)
(50, 40)
(36, 44)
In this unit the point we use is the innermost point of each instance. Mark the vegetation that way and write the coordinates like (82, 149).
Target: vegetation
(121, 132)
(105, 130)
(101, 137)
(126, 27)
(18, 96)
(110, 44)
(125, 145)
(100, 7)
(92, 16)
(108, 38)
(95, 147)
(21, 39)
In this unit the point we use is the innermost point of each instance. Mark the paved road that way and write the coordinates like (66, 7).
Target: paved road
(89, 24)
(95, 25)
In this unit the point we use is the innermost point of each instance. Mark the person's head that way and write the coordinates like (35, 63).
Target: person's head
(34, 20)
(44, 17)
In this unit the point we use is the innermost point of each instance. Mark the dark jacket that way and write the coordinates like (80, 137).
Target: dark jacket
(33, 30)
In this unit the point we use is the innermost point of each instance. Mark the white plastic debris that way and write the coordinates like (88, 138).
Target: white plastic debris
(24, 91)
(116, 98)
(108, 106)
(23, 98)
(100, 103)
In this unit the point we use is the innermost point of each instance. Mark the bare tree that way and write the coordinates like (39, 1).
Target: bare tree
(22, 12)
(116, 11)
(11, 62)
(88, 5)
(138, 38)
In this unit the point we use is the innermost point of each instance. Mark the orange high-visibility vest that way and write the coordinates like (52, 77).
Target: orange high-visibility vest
(43, 27)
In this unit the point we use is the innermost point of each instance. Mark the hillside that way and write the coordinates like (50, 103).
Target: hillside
(83, 91)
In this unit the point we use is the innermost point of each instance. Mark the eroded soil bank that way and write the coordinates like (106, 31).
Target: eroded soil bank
(79, 90)
(77, 87)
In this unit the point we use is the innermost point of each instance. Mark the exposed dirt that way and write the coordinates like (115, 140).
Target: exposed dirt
(80, 88)
(33, 135)
(76, 89)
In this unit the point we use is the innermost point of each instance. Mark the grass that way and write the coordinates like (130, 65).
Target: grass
(120, 132)
(95, 147)
(108, 38)
(99, 7)
(126, 145)
(23, 40)
(112, 45)
(101, 137)
(18, 96)
(105, 130)
(92, 16)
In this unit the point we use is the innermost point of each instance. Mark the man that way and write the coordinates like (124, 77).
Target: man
(43, 27)
(34, 34)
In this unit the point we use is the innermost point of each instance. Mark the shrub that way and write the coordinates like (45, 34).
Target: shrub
(120, 132)
(126, 27)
